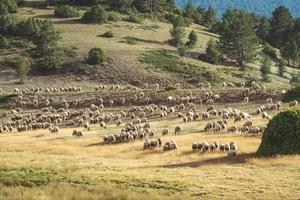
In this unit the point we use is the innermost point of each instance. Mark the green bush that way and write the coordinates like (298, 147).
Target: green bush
(8, 24)
(170, 88)
(293, 94)
(295, 80)
(66, 11)
(282, 135)
(114, 16)
(4, 43)
(108, 34)
(8, 6)
(96, 56)
(270, 51)
(135, 18)
(97, 14)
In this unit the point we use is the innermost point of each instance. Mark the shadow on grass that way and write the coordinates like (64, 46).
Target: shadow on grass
(242, 158)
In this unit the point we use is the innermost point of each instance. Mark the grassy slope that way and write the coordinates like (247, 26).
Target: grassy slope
(125, 56)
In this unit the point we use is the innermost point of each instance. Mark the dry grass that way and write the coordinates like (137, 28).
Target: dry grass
(37, 164)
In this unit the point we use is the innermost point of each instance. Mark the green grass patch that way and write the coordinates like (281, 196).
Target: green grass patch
(5, 98)
(167, 61)
(26, 177)
(130, 40)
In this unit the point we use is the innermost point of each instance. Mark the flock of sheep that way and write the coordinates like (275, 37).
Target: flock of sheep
(134, 122)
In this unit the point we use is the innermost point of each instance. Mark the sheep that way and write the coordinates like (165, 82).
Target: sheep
(293, 103)
(269, 100)
(177, 130)
(265, 116)
(171, 145)
(77, 134)
(248, 123)
(232, 153)
(208, 126)
(103, 124)
(86, 126)
(165, 132)
(232, 129)
(246, 100)
(227, 147)
(210, 102)
(53, 129)
(151, 144)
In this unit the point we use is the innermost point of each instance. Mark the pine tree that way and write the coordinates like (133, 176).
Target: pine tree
(212, 52)
(263, 29)
(290, 52)
(47, 48)
(281, 24)
(281, 67)
(238, 38)
(265, 69)
(210, 17)
(193, 39)
(177, 33)
(22, 67)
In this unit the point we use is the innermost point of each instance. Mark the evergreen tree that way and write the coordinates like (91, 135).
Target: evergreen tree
(290, 52)
(281, 24)
(281, 67)
(210, 17)
(263, 29)
(97, 14)
(47, 49)
(265, 69)
(22, 67)
(238, 38)
(177, 33)
(193, 39)
(212, 52)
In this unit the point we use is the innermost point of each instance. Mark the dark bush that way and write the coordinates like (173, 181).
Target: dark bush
(8, 24)
(282, 135)
(4, 43)
(135, 18)
(8, 6)
(97, 14)
(96, 56)
(270, 51)
(293, 94)
(108, 34)
(66, 11)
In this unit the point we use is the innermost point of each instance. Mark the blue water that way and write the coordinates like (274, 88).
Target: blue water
(260, 7)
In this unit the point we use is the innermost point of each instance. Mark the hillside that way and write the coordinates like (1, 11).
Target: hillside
(260, 7)
(125, 66)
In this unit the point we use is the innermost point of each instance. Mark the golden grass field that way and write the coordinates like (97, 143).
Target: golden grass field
(37, 165)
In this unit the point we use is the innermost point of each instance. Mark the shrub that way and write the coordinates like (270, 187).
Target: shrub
(8, 24)
(265, 69)
(170, 88)
(295, 80)
(96, 56)
(212, 52)
(281, 135)
(293, 94)
(270, 51)
(108, 34)
(22, 67)
(4, 43)
(114, 16)
(66, 11)
(135, 18)
(193, 39)
(97, 14)
(130, 40)
(8, 6)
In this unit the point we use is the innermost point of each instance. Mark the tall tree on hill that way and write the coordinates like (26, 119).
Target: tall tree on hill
(210, 17)
(290, 52)
(47, 49)
(263, 29)
(265, 68)
(238, 38)
(281, 24)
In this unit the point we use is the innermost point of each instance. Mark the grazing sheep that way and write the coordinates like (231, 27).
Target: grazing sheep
(177, 130)
(232, 154)
(232, 129)
(269, 100)
(293, 103)
(77, 134)
(246, 100)
(86, 126)
(265, 116)
(171, 145)
(165, 132)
